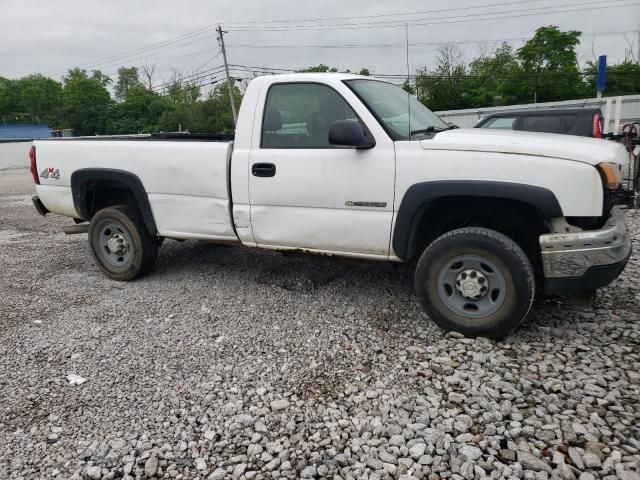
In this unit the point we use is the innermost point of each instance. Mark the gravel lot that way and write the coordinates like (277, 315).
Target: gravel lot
(234, 363)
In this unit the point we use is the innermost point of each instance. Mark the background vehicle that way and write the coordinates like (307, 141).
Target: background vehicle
(584, 122)
(332, 164)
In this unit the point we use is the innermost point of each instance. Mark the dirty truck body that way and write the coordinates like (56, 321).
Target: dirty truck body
(335, 164)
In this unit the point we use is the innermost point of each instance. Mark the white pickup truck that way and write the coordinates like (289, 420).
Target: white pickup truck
(348, 165)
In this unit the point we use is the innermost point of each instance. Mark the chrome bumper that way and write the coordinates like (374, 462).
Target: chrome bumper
(572, 254)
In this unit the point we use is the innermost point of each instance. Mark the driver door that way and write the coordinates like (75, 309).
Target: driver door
(308, 194)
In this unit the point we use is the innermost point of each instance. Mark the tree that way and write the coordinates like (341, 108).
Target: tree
(444, 87)
(40, 98)
(621, 79)
(139, 112)
(9, 99)
(86, 103)
(101, 78)
(488, 76)
(180, 89)
(127, 79)
(364, 71)
(549, 67)
(322, 68)
(148, 70)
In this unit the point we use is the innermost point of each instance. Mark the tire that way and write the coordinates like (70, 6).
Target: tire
(121, 244)
(475, 281)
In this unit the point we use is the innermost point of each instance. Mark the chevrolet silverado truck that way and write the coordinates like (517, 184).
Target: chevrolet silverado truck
(347, 165)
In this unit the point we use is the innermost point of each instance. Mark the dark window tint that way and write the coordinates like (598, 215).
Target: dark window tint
(299, 115)
(505, 123)
(548, 123)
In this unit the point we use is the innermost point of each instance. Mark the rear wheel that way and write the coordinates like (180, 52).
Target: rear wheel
(121, 244)
(475, 281)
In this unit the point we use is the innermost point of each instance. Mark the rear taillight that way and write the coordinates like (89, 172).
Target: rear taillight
(32, 165)
(597, 129)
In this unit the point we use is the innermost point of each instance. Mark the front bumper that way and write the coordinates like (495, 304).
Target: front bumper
(586, 260)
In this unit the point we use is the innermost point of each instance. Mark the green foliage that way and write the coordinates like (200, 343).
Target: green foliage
(34, 98)
(544, 69)
(322, 68)
(86, 103)
(490, 76)
(42, 95)
(139, 112)
(127, 79)
(7, 94)
(212, 114)
(445, 86)
(621, 79)
(549, 66)
(407, 87)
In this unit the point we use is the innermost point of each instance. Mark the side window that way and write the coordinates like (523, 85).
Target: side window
(548, 123)
(299, 115)
(505, 123)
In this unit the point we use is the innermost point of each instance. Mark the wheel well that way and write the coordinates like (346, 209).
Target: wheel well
(107, 193)
(518, 220)
(95, 189)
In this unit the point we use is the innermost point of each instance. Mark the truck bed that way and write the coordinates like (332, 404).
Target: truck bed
(185, 177)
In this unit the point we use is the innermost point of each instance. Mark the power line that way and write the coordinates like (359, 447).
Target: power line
(141, 50)
(380, 15)
(164, 61)
(122, 61)
(203, 32)
(190, 78)
(419, 22)
(414, 44)
(209, 61)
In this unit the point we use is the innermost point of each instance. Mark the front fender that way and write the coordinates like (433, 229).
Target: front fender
(420, 195)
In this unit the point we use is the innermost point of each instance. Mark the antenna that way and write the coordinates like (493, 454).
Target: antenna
(406, 35)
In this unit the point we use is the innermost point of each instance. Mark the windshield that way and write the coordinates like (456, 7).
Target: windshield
(401, 114)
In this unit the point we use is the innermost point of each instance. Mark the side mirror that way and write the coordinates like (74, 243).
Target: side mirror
(349, 133)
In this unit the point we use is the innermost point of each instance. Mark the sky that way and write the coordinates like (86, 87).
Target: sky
(51, 37)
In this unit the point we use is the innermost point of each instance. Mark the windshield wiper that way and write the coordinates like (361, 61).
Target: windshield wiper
(431, 129)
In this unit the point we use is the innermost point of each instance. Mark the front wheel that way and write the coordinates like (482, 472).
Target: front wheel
(475, 281)
(121, 244)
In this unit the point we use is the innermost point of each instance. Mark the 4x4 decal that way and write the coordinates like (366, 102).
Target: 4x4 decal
(50, 173)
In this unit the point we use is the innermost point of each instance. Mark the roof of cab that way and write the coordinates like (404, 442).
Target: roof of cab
(315, 76)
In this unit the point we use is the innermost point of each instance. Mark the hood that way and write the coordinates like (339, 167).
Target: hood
(567, 147)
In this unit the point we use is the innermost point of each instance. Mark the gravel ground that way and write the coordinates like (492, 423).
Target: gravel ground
(234, 363)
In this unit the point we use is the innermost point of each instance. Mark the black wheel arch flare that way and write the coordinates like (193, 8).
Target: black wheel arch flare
(80, 180)
(420, 195)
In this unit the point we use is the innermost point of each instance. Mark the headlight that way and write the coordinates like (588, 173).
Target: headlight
(610, 173)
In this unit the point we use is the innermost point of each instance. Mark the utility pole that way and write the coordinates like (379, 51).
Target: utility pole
(226, 69)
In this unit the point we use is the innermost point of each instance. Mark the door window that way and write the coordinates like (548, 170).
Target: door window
(299, 115)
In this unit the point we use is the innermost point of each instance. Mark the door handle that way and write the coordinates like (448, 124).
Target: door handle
(263, 169)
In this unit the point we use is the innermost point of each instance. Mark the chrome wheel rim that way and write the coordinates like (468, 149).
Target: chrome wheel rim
(115, 246)
(472, 286)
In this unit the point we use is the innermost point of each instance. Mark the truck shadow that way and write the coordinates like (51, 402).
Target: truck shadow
(381, 292)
